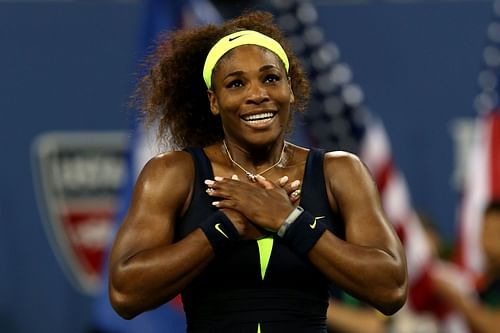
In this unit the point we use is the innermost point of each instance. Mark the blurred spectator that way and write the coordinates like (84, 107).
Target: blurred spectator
(349, 315)
(439, 249)
(346, 314)
(482, 313)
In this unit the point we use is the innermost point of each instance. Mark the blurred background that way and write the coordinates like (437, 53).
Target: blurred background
(410, 85)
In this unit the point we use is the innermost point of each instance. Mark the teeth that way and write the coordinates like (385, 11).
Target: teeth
(260, 116)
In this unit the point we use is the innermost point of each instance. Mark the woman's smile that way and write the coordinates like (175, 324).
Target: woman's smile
(259, 120)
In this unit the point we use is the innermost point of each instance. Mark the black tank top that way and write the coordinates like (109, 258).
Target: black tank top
(258, 286)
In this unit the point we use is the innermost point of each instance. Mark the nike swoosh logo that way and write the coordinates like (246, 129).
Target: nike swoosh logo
(235, 37)
(313, 225)
(218, 228)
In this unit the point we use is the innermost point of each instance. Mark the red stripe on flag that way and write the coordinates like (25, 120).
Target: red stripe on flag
(401, 232)
(383, 175)
(494, 155)
(423, 298)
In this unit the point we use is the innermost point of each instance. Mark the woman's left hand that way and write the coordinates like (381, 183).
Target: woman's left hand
(291, 188)
(264, 203)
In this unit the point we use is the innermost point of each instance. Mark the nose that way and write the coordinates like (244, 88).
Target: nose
(257, 94)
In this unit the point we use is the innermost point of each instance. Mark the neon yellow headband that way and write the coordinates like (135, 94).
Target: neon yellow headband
(229, 42)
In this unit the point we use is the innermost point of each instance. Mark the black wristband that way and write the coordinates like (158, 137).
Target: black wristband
(304, 233)
(219, 231)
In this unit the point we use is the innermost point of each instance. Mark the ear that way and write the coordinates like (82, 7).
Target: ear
(212, 99)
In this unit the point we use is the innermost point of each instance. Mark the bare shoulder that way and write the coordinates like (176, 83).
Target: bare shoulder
(167, 173)
(342, 162)
(167, 164)
(344, 170)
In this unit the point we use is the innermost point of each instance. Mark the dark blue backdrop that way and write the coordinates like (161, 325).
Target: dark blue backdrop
(69, 66)
(64, 66)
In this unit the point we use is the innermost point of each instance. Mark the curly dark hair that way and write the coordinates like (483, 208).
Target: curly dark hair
(173, 94)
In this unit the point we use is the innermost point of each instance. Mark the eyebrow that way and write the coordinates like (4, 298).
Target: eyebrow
(262, 69)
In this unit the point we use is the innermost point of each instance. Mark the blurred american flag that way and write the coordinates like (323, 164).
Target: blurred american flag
(481, 182)
(339, 119)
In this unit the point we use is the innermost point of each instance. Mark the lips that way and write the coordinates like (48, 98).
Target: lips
(258, 117)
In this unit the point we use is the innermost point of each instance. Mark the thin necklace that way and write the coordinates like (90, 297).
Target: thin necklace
(253, 176)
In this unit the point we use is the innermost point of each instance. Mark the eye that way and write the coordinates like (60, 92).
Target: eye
(235, 84)
(271, 78)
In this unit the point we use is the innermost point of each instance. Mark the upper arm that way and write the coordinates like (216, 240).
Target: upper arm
(355, 196)
(161, 194)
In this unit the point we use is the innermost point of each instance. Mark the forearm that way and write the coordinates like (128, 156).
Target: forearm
(480, 319)
(152, 277)
(372, 274)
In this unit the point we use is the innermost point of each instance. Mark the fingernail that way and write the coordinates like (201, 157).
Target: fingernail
(235, 177)
(260, 177)
(295, 184)
(296, 193)
(283, 180)
(218, 178)
(215, 203)
(209, 190)
(209, 182)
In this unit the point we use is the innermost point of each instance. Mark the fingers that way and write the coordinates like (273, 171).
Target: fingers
(282, 181)
(292, 188)
(268, 185)
(220, 204)
(223, 187)
(209, 183)
(295, 195)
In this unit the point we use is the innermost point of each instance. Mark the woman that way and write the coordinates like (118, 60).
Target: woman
(221, 222)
